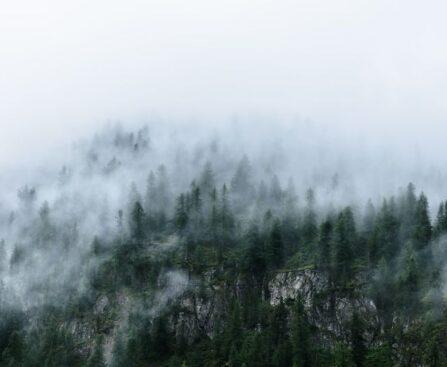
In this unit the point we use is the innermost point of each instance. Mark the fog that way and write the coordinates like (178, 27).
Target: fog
(110, 107)
(375, 68)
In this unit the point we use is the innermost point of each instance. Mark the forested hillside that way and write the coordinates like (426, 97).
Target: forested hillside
(210, 258)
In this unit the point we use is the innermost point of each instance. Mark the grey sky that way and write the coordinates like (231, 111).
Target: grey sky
(69, 66)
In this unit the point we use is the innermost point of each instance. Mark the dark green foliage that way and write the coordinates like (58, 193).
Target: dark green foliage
(14, 353)
(255, 258)
(380, 356)
(137, 222)
(358, 343)
(267, 283)
(275, 246)
(344, 242)
(386, 234)
(181, 213)
(310, 227)
(52, 346)
(422, 229)
(300, 335)
(242, 186)
(342, 356)
(324, 245)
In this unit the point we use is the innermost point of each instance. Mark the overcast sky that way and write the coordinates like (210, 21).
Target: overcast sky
(69, 66)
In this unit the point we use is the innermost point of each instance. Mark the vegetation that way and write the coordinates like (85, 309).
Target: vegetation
(223, 274)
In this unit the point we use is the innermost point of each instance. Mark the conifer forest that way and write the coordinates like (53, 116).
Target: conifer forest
(117, 259)
(233, 183)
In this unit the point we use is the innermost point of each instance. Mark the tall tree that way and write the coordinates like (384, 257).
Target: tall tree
(137, 222)
(407, 212)
(344, 240)
(422, 229)
(275, 246)
(300, 334)
(207, 181)
(242, 187)
(181, 214)
(387, 231)
(310, 228)
(358, 343)
(324, 245)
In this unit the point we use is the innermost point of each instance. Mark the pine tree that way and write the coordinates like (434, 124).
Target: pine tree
(275, 246)
(342, 356)
(181, 213)
(207, 181)
(14, 354)
(226, 219)
(439, 227)
(409, 283)
(256, 256)
(369, 218)
(300, 335)
(310, 229)
(242, 187)
(422, 229)
(137, 222)
(276, 193)
(344, 239)
(358, 342)
(407, 212)
(324, 246)
(387, 232)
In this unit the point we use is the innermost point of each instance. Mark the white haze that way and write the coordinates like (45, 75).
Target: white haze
(374, 67)
(307, 89)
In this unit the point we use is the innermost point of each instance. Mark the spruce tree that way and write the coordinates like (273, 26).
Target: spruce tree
(422, 229)
(300, 336)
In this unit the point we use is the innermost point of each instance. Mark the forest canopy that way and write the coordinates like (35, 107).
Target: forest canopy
(211, 257)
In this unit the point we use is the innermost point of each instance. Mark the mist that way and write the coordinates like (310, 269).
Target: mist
(376, 68)
(200, 183)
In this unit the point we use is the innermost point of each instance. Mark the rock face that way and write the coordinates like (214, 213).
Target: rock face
(292, 284)
(197, 308)
(331, 309)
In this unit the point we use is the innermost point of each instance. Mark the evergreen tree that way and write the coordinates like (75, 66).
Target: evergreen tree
(14, 354)
(344, 239)
(276, 193)
(407, 212)
(137, 222)
(422, 228)
(310, 229)
(226, 219)
(275, 246)
(256, 256)
(409, 283)
(358, 342)
(342, 356)
(181, 213)
(439, 227)
(242, 187)
(207, 181)
(383, 291)
(387, 232)
(324, 246)
(369, 218)
(300, 335)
